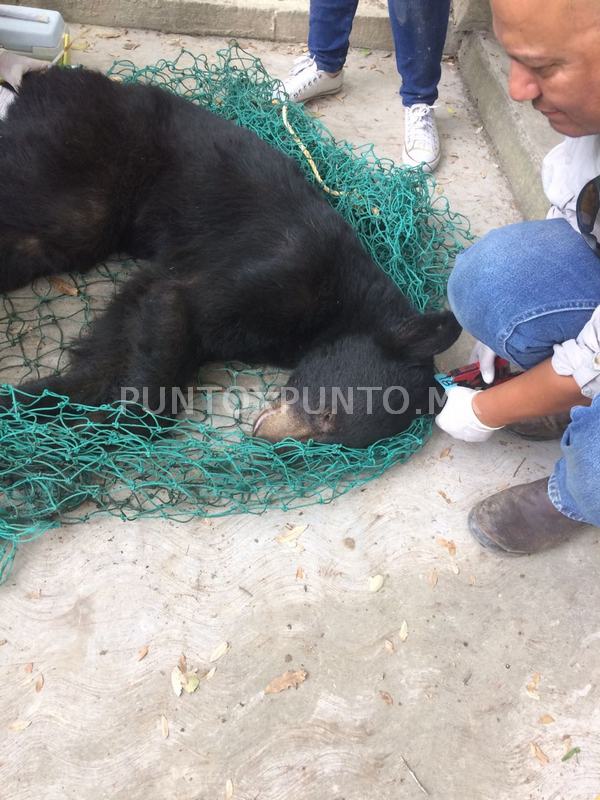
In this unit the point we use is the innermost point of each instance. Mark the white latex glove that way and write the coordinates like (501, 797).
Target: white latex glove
(458, 418)
(13, 67)
(486, 357)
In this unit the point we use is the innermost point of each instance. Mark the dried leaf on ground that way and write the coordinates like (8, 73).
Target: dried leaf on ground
(376, 582)
(29, 667)
(389, 646)
(228, 789)
(570, 753)
(445, 453)
(537, 752)
(387, 698)
(81, 44)
(164, 726)
(108, 35)
(219, 652)
(442, 493)
(130, 46)
(349, 543)
(63, 286)
(448, 544)
(533, 686)
(299, 574)
(191, 682)
(182, 663)
(289, 680)
(3, 642)
(177, 680)
(210, 674)
(39, 684)
(432, 578)
(291, 535)
(403, 635)
(546, 719)
(142, 652)
(19, 725)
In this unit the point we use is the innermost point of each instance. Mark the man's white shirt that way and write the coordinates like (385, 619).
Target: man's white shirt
(565, 171)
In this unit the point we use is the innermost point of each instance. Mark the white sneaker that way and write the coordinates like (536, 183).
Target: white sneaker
(307, 81)
(421, 140)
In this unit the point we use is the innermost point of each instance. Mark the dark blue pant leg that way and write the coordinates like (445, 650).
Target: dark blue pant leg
(419, 30)
(329, 32)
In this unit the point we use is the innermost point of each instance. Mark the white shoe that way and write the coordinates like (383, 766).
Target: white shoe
(421, 140)
(307, 81)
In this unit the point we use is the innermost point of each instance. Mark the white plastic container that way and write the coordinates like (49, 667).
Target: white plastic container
(33, 32)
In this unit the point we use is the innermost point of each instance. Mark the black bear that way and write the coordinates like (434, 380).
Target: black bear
(248, 262)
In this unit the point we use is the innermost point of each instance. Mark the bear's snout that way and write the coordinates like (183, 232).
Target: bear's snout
(281, 421)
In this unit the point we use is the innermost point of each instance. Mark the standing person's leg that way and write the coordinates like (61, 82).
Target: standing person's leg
(320, 71)
(419, 30)
(329, 27)
(521, 289)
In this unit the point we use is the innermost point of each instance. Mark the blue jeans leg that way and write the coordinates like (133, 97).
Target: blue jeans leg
(521, 289)
(329, 30)
(419, 30)
(573, 486)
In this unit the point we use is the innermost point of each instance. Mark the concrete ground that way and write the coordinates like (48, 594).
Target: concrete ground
(467, 676)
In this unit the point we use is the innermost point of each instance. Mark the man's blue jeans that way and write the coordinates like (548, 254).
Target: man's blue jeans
(419, 31)
(520, 290)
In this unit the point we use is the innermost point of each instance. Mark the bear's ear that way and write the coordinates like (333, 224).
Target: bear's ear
(422, 335)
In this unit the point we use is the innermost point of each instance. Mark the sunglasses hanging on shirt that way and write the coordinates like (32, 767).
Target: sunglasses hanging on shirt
(588, 210)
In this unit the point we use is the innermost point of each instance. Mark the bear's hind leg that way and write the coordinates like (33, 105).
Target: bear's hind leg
(26, 256)
(139, 351)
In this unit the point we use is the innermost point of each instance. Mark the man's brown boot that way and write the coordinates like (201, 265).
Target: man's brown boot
(541, 429)
(521, 520)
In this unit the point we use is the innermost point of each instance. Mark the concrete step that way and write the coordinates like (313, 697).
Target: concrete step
(521, 136)
(273, 20)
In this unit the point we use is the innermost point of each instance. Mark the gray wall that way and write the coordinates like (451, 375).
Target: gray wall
(472, 15)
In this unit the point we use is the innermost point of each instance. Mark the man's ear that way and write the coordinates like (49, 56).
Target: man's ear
(422, 335)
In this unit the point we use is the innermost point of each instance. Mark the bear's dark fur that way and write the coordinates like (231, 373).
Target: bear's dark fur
(248, 262)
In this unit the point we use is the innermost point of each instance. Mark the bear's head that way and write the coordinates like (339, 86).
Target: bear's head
(359, 388)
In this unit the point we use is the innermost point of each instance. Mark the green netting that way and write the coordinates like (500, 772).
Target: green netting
(69, 469)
